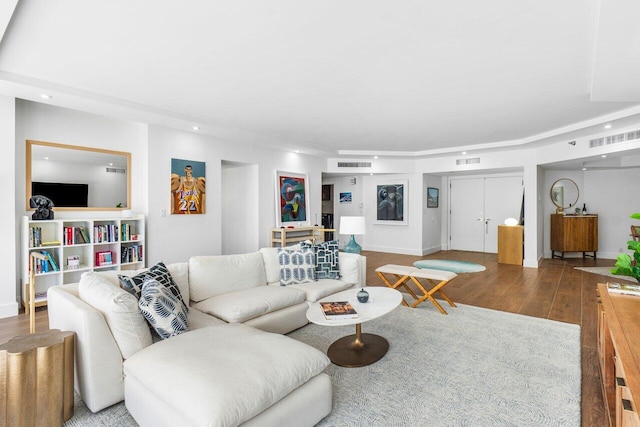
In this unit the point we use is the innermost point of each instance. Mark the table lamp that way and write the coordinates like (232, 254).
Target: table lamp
(352, 225)
(32, 289)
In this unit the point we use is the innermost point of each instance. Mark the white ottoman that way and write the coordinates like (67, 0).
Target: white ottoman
(227, 375)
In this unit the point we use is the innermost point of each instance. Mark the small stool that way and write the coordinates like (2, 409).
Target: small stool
(36, 379)
(403, 274)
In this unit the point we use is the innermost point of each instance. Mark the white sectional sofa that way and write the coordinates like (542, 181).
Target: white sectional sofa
(232, 367)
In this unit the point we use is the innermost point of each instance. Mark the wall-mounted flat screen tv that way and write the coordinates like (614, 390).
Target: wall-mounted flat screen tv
(63, 195)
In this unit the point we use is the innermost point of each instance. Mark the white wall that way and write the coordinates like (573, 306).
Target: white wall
(9, 224)
(432, 224)
(355, 208)
(174, 238)
(240, 231)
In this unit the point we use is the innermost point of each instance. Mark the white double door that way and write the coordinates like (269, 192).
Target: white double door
(478, 206)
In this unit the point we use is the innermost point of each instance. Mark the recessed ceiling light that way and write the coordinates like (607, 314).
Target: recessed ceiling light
(584, 169)
(45, 96)
(607, 126)
(297, 151)
(371, 174)
(604, 155)
(375, 157)
(110, 164)
(46, 158)
(464, 152)
(196, 128)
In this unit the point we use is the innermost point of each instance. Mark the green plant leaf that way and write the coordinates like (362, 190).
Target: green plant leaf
(635, 216)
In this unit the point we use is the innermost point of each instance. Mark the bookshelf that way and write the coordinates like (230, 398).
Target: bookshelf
(78, 246)
(288, 236)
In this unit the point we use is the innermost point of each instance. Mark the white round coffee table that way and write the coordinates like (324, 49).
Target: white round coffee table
(359, 349)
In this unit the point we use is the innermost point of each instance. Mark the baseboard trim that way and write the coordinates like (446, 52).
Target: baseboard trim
(9, 310)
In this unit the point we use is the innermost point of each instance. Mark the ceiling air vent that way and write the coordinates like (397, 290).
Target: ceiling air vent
(116, 170)
(614, 139)
(472, 161)
(354, 164)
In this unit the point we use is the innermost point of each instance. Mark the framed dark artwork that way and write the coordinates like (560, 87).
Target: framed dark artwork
(188, 187)
(391, 203)
(346, 197)
(433, 194)
(292, 195)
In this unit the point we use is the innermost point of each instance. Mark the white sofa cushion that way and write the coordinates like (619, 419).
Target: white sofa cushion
(235, 371)
(164, 311)
(350, 267)
(120, 309)
(322, 288)
(240, 306)
(271, 264)
(219, 274)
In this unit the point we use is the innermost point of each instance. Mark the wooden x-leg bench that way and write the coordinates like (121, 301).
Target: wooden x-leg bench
(404, 275)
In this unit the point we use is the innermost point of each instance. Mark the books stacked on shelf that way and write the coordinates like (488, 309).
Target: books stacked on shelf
(73, 262)
(45, 265)
(40, 296)
(131, 254)
(75, 236)
(623, 288)
(35, 237)
(103, 258)
(338, 310)
(105, 233)
(127, 232)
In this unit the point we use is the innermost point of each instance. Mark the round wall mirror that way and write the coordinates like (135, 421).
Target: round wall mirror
(564, 194)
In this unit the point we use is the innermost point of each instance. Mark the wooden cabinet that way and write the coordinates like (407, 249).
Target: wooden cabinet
(510, 244)
(574, 233)
(619, 356)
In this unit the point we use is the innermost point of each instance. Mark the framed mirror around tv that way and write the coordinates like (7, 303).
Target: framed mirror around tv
(78, 178)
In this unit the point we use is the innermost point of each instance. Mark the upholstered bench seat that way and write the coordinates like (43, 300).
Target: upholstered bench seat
(226, 375)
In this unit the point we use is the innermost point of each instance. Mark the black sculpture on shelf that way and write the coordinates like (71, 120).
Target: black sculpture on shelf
(44, 207)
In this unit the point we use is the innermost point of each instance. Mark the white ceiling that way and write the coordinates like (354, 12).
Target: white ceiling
(353, 78)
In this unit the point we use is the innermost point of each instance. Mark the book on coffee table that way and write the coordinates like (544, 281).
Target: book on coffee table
(623, 288)
(337, 310)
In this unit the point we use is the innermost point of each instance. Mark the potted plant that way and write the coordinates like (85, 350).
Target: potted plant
(625, 266)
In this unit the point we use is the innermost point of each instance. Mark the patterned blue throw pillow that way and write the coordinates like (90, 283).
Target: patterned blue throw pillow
(327, 259)
(159, 272)
(164, 312)
(297, 265)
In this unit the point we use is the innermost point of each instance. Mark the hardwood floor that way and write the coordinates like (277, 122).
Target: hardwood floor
(554, 291)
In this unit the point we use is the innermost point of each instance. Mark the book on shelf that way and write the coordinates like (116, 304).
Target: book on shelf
(623, 288)
(103, 258)
(337, 310)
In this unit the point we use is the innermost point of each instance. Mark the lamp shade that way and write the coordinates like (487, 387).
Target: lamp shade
(352, 225)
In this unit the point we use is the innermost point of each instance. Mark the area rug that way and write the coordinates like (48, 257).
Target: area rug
(605, 271)
(450, 265)
(473, 367)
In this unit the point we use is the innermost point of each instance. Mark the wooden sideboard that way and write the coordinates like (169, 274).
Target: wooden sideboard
(619, 356)
(574, 233)
(289, 236)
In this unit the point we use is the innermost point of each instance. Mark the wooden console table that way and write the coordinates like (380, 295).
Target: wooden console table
(619, 356)
(510, 244)
(36, 379)
(288, 236)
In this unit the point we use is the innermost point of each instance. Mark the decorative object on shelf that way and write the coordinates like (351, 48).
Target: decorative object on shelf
(625, 266)
(292, 195)
(510, 222)
(352, 225)
(188, 187)
(433, 194)
(32, 288)
(363, 296)
(391, 203)
(584, 209)
(44, 207)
